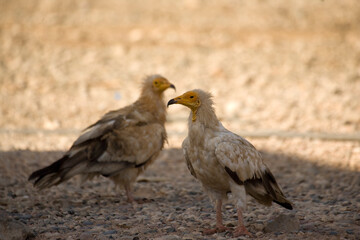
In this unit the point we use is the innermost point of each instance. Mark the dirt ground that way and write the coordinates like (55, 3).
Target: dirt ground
(288, 66)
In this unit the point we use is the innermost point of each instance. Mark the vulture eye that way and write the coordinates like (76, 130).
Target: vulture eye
(156, 82)
(191, 96)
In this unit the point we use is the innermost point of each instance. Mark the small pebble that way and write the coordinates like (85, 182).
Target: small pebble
(110, 232)
(55, 228)
(193, 193)
(87, 223)
(151, 231)
(25, 216)
(11, 194)
(85, 236)
(169, 237)
(170, 229)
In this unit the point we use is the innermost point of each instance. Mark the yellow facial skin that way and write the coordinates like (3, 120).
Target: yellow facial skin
(189, 99)
(161, 84)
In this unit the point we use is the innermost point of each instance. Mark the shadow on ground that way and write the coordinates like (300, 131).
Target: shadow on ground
(327, 201)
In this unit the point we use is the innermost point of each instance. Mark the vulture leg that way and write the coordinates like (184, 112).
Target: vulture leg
(219, 224)
(240, 229)
(129, 195)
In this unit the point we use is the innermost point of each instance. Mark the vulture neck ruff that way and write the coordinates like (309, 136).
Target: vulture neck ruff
(205, 113)
(152, 101)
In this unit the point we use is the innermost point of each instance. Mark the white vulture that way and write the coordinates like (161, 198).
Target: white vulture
(224, 162)
(119, 146)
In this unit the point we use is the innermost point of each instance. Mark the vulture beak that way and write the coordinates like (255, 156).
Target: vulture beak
(172, 101)
(173, 86)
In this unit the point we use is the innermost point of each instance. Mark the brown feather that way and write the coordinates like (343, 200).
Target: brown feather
(123, 141)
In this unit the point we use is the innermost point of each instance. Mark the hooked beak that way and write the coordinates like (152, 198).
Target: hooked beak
(172, 101)
(173, 86)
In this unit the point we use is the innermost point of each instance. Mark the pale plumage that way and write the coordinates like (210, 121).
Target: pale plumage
(119, 146)
(225, 162)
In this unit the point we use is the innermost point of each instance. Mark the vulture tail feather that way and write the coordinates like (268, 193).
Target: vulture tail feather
(266, 190)
(48, 176)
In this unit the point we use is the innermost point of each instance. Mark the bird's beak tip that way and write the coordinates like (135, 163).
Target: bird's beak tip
(173, 86)
(171, 101)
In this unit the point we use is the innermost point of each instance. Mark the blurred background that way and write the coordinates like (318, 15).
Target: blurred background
(276, 65)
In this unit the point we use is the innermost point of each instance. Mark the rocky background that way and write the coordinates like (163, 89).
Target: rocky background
(273, 67)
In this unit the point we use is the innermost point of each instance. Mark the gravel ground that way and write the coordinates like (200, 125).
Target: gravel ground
(327, 200)
(271, 65)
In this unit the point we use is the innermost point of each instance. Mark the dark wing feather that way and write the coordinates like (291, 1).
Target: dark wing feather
(71, 164)
(107, 155)
(234, 176)
(244, 165)
(82, 155)
(266, 190)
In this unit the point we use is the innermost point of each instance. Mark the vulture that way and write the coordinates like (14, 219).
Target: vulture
(226, 164)
(120, 146)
